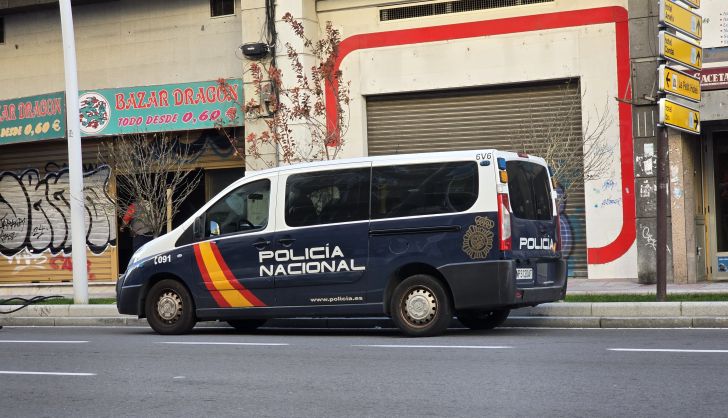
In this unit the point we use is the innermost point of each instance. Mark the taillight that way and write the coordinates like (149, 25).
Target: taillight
(504, 222)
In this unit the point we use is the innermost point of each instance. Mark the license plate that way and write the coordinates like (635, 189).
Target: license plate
(524, 274)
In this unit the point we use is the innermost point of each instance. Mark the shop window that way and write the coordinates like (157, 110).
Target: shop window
(222, 7)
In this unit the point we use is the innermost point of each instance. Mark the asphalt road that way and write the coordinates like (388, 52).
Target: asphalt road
(127, 372)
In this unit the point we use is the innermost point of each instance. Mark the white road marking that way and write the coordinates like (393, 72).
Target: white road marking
(45, 373)
(42, 342)
(666, 350)
(434, 346)
(219, 343)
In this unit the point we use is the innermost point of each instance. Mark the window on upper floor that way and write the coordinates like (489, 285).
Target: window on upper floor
(222, 7)
(2, 30)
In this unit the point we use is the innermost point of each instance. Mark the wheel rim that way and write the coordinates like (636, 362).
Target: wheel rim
(419, 307)
(169, 306)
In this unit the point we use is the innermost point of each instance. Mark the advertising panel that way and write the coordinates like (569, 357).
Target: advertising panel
(32, 118)
(162, 108)
(715, 24)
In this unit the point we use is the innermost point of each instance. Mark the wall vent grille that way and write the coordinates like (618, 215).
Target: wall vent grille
(456, 6)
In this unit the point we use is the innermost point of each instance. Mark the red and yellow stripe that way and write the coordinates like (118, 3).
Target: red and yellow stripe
(220, 281)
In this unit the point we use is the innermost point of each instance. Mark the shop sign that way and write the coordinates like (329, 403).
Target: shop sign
(680, 51)
(32, 118)
(712, 78)
(678, 83)
(679, 117)
(162, 108)
(681, 19)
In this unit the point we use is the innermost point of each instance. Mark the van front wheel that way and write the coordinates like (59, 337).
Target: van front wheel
(484, 320)
(421, 307)
(169, 308)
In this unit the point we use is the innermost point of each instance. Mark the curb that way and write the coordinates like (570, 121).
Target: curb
(386, 323)
(550, 315)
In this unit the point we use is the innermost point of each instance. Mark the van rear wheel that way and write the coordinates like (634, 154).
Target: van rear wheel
(169, 308)
(421, 306)
(481, 320)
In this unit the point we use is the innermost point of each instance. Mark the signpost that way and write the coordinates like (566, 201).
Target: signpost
(680, 51)
(679, 83)
(681, 19)
(679, 117)
(675, 18)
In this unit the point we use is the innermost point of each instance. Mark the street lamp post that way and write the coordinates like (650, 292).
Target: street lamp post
(75, 172)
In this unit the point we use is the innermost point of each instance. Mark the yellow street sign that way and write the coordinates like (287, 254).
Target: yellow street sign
(680, 51)
(692, 3)
(678, 83)
(681, 19)
(679, 117)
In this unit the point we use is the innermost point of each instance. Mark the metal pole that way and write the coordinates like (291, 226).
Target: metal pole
(662, 194)
(75, 171)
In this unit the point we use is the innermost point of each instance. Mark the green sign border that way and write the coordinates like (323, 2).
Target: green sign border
(33, 118)
(161, 108)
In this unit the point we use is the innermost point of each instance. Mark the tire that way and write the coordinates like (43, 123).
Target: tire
(484, 320)
(169, 308)
(246, 325)
(421, 306)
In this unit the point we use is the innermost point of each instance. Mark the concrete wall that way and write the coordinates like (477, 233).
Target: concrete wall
(122, 43)
(587, 51)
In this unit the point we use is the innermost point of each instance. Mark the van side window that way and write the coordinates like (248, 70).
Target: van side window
(423, 189)
(242, 210)
(528, 187)
(327, 197)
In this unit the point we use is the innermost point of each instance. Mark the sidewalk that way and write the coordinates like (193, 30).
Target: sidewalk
(558, 314)
(621, 286)
(576, 287)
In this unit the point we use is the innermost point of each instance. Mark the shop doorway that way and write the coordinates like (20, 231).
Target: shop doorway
(717, 156)
(125, 236)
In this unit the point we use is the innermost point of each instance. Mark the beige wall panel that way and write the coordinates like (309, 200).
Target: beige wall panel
(120, 44)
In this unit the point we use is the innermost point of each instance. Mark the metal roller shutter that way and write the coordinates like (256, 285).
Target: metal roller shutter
(476, 118)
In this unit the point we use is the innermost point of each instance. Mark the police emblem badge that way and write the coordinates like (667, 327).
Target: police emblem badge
(478, 239)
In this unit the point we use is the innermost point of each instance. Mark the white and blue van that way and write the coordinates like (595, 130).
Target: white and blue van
(420, 238)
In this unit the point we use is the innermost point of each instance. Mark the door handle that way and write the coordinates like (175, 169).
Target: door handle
(286, 242)
(261, 243)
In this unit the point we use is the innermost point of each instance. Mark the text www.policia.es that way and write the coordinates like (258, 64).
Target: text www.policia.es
(338, 299)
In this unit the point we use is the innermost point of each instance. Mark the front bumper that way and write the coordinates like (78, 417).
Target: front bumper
(127, 297)
(489, 285)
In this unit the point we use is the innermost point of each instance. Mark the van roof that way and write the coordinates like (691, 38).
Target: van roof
(399, 158)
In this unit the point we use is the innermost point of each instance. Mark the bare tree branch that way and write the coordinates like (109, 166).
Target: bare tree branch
(145, 167)
(575, 154)
(296, 115)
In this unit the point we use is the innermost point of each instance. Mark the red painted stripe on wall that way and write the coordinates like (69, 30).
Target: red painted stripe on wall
(574, 18)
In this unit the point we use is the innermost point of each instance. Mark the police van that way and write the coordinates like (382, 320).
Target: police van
(419, 238)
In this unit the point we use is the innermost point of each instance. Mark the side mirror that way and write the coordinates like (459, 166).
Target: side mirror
(214, 229)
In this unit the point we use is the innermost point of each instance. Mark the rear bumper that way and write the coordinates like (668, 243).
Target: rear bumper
(489, 285)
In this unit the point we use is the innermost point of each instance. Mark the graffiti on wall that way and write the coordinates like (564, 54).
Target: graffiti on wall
(35, 211)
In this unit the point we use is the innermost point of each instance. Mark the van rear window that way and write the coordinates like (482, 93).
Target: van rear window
(423, 189)
(530, 191)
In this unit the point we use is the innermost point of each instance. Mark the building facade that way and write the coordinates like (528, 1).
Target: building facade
(145, 68)
(424, 76)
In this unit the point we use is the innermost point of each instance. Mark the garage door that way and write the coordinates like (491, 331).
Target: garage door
(511, 118)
